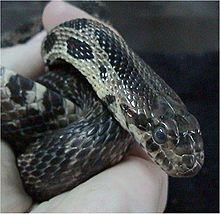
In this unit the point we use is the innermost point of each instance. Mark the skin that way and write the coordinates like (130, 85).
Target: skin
(134, 185)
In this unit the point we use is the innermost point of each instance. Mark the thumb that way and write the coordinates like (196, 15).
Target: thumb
(25, 59)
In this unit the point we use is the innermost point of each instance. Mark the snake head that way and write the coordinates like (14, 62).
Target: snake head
(175, 141)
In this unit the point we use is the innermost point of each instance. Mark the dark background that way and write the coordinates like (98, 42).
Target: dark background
(180, 41)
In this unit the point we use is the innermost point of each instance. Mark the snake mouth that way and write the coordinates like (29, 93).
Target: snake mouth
(184, 170)
(199, 159)
(189, 155)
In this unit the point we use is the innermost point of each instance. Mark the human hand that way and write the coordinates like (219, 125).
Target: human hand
(134, 185)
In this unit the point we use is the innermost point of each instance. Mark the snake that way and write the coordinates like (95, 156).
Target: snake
(96, 99)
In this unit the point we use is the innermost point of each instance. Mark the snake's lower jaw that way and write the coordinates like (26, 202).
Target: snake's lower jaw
(189, 164)
(184, 170)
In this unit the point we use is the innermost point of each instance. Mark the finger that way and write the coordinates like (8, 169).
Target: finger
(25, 59)
(13, 196)
(137, 150)
(134, 185)
(57, 12)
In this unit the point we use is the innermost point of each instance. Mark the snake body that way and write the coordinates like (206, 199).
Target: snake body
(99, 96)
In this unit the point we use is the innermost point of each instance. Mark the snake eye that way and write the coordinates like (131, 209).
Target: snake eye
(160, 135)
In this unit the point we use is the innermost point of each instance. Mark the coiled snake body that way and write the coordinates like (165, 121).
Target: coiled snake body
(63, 132)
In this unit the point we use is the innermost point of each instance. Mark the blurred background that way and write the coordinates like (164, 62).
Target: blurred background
(180, 41)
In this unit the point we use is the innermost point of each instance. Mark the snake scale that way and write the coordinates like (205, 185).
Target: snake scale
(96, 99)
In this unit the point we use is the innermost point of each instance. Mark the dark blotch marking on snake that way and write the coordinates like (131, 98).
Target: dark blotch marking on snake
(26, 84)
(75, 24)
(116, 52)
(103, 72)
(18, 87)
(141, 121)
(129, 113)
(110, 45)
(138, 119)
(109, 99)
(123, 66)
(160, 156)
(53, 102)
(151, 146)
(78, 49)
(49, 42)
